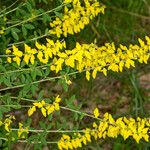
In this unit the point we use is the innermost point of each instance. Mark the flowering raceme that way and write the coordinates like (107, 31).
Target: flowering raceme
(86, 56)
(45, 108)
(75, 19)
(108, 127)
(104, 58)
(42, 52)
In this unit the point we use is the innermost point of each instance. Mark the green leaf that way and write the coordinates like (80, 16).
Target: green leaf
(40, 95)
(7, 81)
(14, 34)
(46, 18)
(29, 7)
(60, 15)
(29, 26)
(34, 88)
(33, 74)
(16, 30)
(39, 72)
(24, 31)
(70, 101)
(2, 68)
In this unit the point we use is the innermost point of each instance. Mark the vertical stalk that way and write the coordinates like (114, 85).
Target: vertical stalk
(139, 110)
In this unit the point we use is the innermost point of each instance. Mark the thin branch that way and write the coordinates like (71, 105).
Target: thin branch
(62, 107)
(49, 131)
(81, 113)
(33, 142)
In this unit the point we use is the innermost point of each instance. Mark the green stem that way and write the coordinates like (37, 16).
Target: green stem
(50, 131)
(26, 141)
(137, 95)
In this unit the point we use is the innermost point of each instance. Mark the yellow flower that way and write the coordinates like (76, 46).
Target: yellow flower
(26, 58)
(31, 110)
(9, 59)
(96, 113)
(17, 60)
(56, 106)
(50, 109)
(88, 75)
(43, 110)
(57, 99)
(8, 51)
(39, 104)
(22, 130)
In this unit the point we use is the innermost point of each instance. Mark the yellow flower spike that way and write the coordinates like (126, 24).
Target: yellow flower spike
(76, 18)
(96, 113)
(43, 110)
(31, 110)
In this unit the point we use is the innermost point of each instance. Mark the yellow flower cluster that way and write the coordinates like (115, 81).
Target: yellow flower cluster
(45, 108)
(104, 58)
(76, 18)
(42, 52)
(22, 131)
(7, 122)
(108, 127)
(85, 56)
